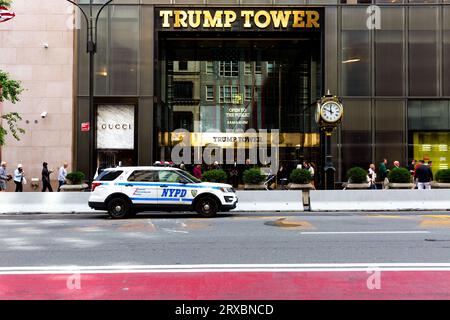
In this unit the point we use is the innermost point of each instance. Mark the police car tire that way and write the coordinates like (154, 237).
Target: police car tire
(207, 207)
(113, 206)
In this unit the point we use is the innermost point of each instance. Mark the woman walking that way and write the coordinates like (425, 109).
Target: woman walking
(19, 177)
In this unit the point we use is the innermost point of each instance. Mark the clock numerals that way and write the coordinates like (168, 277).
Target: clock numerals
(331, 112)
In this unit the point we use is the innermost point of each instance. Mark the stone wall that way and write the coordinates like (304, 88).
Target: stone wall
(47, 76)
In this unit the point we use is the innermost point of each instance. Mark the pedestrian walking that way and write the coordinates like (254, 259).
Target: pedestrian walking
(423, 176)
(4, 176)
(283, 177)
(46, 178)
(372, 176)
(382, 171)
(412, 166)
(197, 172)
(19, 178)
(62, 174)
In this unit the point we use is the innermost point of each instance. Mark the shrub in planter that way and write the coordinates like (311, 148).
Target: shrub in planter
(300, 176)
(217, 175)
(399, 175)
(76, 177)
(443, 176)
(253, 176)
(357, 175)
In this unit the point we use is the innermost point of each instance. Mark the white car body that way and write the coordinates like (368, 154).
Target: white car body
(158, 188)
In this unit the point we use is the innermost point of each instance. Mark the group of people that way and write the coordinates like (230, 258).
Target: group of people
(421, 172)
(235, 171)
(20, 180)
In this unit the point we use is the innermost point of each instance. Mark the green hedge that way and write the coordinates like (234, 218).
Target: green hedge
(253, 176)
(399, 175)
(76, 177)
(443, 176)
(300, 176)
(357, 175)
(216, 175)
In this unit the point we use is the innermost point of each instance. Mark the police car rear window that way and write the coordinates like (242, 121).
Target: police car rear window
(109, 175)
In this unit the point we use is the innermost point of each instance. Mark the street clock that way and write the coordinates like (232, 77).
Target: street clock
(329, 112)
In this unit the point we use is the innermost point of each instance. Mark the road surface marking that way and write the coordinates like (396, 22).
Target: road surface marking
(363, 232)
(326, 267)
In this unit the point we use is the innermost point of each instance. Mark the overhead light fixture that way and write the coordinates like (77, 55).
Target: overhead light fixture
(351, 61)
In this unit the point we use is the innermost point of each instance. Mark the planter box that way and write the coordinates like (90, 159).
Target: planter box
(74, 187)
(254, 187)
(357, 186)
(400, 185)
(440, 185)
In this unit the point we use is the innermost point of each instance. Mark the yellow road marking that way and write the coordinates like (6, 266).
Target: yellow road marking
(435, 223)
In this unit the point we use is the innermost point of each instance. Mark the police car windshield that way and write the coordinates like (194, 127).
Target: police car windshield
(189, 177)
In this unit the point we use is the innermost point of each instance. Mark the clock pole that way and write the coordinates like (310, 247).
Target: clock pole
(328, 116)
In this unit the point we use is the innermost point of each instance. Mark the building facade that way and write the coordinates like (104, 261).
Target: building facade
(230, 66)
(37, 48)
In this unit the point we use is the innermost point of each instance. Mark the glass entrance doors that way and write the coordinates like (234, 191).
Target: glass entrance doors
(230, 86)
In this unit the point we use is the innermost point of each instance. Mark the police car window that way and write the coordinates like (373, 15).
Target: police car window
(170, 176)
(109, 175)
(189, 177)
(143, 176)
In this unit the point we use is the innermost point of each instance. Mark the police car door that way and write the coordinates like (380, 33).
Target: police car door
(173, 189)
(142, 188)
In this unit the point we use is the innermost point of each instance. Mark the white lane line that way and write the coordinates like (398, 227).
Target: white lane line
(339, 267)
(364, 232)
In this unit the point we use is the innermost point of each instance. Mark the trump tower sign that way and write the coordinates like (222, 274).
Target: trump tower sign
(231, 19)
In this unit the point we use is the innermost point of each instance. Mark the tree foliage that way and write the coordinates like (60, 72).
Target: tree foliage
(10, 91)
(5, 3)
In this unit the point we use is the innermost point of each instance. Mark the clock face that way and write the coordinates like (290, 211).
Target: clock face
(331, 111)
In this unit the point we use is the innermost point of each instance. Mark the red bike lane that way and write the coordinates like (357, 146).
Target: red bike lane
(302, 285)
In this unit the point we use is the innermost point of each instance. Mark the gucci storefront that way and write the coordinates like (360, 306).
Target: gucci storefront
(216, 71)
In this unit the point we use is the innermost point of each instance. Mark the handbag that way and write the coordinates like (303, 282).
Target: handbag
(24, 181)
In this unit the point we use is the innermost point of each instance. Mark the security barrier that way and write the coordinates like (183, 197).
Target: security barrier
(272, 200)
(77, 202)
(379, 200)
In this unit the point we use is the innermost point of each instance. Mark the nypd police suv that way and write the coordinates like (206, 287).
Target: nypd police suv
(125, 191)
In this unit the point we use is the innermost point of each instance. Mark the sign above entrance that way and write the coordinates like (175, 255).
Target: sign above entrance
(239, 19)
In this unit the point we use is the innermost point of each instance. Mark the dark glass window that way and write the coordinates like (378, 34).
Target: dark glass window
(428, 115)
(446, 48)
(389, 61)
(390, 130)
(356, 135)
(109, 175)
(143, 176)
(182, 65)
(423, 79)
(183, 90)
(355, 62)
(124, 50)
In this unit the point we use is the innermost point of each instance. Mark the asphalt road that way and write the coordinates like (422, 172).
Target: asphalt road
(251, 238)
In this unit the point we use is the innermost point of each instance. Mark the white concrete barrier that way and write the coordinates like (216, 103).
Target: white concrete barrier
(72, 202)
(48, 202)
(272, 200)
(379, 200)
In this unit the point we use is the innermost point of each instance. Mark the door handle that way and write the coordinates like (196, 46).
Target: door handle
(128, 185)
(163, 186)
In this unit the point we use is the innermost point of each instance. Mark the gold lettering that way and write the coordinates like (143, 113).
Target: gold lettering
(211, 22)
(298, 19)
(165, 14)
(247, 14)
(195, 23)
(230, 17)
(266, 22)
(312, 19)
(180, 19)
(280, 17)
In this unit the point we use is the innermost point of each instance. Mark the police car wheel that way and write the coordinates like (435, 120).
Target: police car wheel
(118, 208)
(206, 207)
